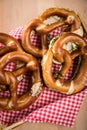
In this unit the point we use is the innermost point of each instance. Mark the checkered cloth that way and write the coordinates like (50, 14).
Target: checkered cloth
(51, 106)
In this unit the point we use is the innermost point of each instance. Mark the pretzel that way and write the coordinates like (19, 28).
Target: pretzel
(38, 24)
(67, 17)
(26, 38)
(13, 78)
(57, 51)
(10, 44)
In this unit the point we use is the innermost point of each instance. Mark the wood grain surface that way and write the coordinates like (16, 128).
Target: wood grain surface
(15, 13)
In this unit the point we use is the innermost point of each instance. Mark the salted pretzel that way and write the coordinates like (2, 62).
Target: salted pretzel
(59, 52)
(10, 44)
(12, 79)
(26, 39)
(68, 18)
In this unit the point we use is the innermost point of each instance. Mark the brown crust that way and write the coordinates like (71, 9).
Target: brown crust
(61, 12)
(10, 78)
(57, 51)
(11, 44)
(38, 24)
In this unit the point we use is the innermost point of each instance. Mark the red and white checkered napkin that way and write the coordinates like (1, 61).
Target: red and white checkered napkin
(51, 106)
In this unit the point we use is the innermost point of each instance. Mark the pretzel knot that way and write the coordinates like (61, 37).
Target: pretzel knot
(65, 18)
(62, 52)
(12, 79)
(9, 44)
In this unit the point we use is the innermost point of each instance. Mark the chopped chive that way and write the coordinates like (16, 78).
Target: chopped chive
(58, 74)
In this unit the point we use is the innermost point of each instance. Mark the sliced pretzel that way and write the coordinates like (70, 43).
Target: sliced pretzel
(80, 79)
(11, 78)
(69, 18)
(65, 38)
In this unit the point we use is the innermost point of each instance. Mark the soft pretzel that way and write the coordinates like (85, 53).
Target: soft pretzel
(58, 52)
(38, 24)
(10, 44)
(67, 17)
(49, 52)
(26, 39)
(12, 79)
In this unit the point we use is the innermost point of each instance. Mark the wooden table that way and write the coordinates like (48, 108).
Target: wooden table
(14, 13)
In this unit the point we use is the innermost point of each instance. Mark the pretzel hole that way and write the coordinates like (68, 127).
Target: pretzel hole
(35, 39)
(25, 84)
(14, 65)
(54, 34)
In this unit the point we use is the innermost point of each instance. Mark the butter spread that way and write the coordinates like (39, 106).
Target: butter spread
(36, 89)
(71, 89)
(58, 83)
(79, 31)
